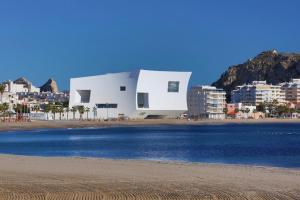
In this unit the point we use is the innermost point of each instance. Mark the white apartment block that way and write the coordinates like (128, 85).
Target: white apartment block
(18, 87)
(206, 102)
(292, 91)
(258, 92)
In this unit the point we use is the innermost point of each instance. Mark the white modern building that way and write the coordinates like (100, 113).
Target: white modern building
(258, 92)
(206, 102)
(139, 94)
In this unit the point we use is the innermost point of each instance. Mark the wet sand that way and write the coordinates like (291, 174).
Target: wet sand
(81, 124)
(84, 178)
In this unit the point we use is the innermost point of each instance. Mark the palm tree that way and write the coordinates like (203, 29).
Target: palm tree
(87, 110)
(225, 111)
(54, 110)
(61, 111)
(36, 108)
(47, 109)
(74, 110)
(67, 110)
(3, 108)
(261, 108)
(81, 111)
(17, 110)
(95, 112)
(2, 89)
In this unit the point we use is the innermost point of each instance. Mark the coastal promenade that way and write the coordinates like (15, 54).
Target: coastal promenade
(85, 178)
(6, 126)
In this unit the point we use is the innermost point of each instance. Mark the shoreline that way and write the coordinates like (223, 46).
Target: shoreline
(26, 177)
(162, 162)
(175, 162)
(15, 126)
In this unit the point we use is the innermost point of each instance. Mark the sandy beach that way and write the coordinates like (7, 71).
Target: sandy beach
(91, 123)
(84, 178)
(23, 177)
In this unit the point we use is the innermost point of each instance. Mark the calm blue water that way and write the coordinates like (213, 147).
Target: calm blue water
(257, 144)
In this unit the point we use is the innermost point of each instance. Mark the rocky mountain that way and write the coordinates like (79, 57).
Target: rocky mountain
(49, 86)
(23, 80)
(271, 66)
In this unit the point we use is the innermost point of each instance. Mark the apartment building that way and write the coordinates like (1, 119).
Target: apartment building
(206, 102)
(258, 92)
(292, 92)
(20, 85)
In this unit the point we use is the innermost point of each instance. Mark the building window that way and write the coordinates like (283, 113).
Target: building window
(122, 88)
(143, 100)
(173, 86)
(84, 96)
(107, 105)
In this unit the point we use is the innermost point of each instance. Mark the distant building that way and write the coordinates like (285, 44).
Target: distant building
(232, 108)
(292, 92)
(9, 98)
(43, 97)
(251, 115)
(20, 85)
(258, 92)
(139, 94)
(240, 110)
(206, 102)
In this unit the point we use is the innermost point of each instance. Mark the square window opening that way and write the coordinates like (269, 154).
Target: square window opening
(122, 88)
(84, 96)
(173, 86)
(143, 100)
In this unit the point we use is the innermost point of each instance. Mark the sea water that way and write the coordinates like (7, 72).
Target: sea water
(252, 144)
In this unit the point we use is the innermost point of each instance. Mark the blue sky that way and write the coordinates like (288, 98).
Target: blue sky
(63, 39)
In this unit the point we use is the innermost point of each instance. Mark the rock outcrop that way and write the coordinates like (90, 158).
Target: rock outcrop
(50, 86)
(23, 81)
(271, 66)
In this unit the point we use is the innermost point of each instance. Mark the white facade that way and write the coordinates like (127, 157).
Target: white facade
(258, 92)
(140, 94)
(206, 102)
(34, 89)
(12, 87)
(292, 91)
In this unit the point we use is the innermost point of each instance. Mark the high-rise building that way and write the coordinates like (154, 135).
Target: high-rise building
(206, 102)
(258, 92)
(292, 91)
